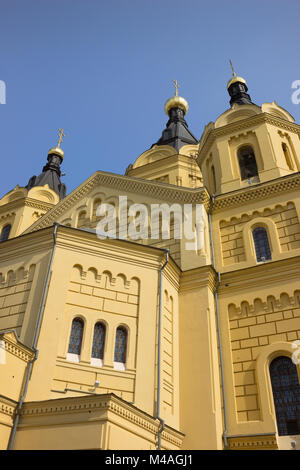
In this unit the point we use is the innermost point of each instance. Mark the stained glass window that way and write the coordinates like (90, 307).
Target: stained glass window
(286, 394)
(261, 242)
(76, 336)
(5, 233)
(120, 345)
(98, 341)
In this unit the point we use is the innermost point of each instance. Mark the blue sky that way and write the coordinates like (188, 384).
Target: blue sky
(103, 69)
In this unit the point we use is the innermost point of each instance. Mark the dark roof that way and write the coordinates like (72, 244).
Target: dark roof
(177, 133)
(50, 175)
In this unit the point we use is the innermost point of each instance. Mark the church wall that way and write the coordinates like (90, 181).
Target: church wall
(114, 300)
(92, 422)
(22, 280)
(98, 281)
(170, 404)
(260, 318)
(83, 215)
(232, 229)
(200, 397)
(14, 359)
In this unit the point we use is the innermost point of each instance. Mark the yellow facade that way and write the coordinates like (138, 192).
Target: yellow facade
(202, 325)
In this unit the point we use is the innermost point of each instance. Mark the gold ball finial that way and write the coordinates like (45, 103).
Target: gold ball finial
(176, 101)
(57, 150)
(235, 78)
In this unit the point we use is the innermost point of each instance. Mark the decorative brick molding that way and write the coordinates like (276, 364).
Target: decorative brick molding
(204, 276)
(14, 347)
(7, 406)
(261, 191)
(255, 442)
(109, 403)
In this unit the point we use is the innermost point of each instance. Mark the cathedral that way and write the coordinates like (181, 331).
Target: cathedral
(154, 341)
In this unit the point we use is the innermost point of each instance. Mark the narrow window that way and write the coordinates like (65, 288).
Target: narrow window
(75, 340)
(98, 345)
(247, 163)
(286, 394)
(213, 174)
(120, 348)
(97, 203)
(287, 156)
(5, 233)
(82, 219)
(261, 243)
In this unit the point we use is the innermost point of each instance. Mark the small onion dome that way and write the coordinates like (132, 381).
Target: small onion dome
(235, 79)
(56, 151)
(176, 102)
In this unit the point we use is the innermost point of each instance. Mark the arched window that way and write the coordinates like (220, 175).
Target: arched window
(75, 340)
(96, 203)
(287, 156)
(98, 344)
(261, 243)
(5, 233)
(81, 219)
(286, 394)
(247, 162)
(120, 348)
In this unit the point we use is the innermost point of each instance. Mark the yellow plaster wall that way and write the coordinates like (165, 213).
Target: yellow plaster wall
(285, 235)
(257, 325)
(94, 422)
(14, 359)
(200, 398)
(118, 285)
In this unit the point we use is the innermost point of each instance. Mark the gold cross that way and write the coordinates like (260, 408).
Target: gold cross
(176, 87)
(233, 72)
(60, 136)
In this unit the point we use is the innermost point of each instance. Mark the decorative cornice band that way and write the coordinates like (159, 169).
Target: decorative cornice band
(26, 201)
(16, 349)
(44, 206)
(197, 278)
(254, 442)
(264, 274)
(109, 402)
(258, 192)
(7, 406)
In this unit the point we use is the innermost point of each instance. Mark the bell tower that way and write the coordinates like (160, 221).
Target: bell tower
(172, 159)
(248, 144)
(250, 161)
(23, 205)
